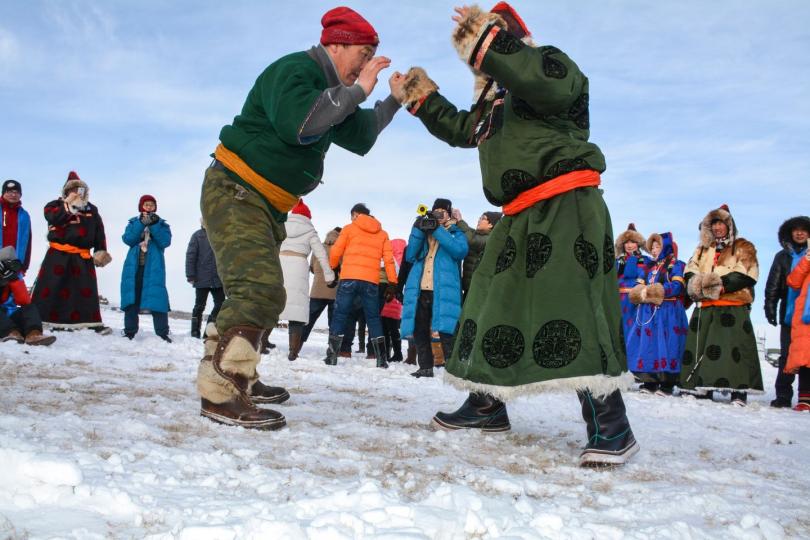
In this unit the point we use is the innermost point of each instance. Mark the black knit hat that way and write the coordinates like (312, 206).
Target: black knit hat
(360, 208)
(8, 185)
(444, 204)
(493, 217)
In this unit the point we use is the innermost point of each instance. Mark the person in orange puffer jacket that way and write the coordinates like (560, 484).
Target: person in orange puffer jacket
(357, 252)
(798, 360)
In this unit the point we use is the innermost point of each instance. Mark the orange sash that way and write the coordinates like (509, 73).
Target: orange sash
(67, 248)
(279, 198)
(552, 188)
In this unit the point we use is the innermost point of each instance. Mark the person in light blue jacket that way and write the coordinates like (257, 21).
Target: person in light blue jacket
(143, 280)
(432, 295)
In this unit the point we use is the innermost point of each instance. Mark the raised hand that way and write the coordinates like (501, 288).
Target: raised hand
(397, 85)
(368, 76)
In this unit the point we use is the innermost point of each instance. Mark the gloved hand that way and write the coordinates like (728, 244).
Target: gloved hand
(149, 218)
(456, 214)
(770, 314)
(9, 270)
(390, 292)
(332, 284)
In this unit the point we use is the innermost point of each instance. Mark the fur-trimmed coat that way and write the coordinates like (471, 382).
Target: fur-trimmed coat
(776, 290)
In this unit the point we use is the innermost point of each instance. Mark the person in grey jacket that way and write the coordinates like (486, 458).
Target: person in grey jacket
(201, 272)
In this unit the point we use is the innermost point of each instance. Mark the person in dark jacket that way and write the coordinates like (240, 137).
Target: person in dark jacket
(779, 301)
(476, 240)
(201, 272)
(143, 279)
(433, 290)
(24, 324)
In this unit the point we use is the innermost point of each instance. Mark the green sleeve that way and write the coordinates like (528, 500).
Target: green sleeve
(544, 77)
(287, 96)
(358, 132)
(444, 121)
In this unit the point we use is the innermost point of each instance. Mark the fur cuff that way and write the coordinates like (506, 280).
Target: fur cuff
(417, 87)
(655, 294)
(101, 258)
(470, 29)
(712, 286)
(695, 287)
(636, 295)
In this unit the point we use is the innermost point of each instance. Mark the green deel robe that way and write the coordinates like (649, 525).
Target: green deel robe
(543, 309)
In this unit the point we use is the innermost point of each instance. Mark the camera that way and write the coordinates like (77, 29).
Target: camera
(426, 222)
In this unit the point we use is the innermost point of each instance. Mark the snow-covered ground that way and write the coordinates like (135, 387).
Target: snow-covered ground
(101, 437)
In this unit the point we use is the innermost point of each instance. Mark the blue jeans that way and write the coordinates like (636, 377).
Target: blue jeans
(348, 290)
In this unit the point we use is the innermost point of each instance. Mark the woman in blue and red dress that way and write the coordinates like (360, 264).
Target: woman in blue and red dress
(66, 291)
(631, 266)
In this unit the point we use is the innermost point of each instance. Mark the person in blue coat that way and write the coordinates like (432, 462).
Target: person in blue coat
(432, 295)
(143, 280)
(631, 267)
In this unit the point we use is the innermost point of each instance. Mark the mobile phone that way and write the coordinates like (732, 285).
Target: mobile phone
(81, 191)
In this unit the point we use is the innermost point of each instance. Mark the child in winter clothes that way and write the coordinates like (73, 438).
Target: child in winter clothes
(23, 325)
(798, 360)
(391, 312)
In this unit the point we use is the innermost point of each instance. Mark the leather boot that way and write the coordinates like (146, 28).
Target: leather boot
(296, 333)
(479, 411)
(195, 327)
(411, 358)
(35, 337)
(263, 394)
(14, 335)
(239, 410)
(332, 350)
(610, 439)
(437, 350)
(380, 351)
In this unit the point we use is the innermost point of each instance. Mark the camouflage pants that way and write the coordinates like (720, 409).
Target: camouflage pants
(245, 239)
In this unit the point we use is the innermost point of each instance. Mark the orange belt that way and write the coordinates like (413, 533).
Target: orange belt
(721, 303)
(552, 188)
(278, 197)
(67, 248)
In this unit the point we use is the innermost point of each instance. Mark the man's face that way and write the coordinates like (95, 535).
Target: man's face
(441, 215)
(149, 206)
(350, 60)
(483, 224)
(12, 196)
(799, 236)
(719, 229)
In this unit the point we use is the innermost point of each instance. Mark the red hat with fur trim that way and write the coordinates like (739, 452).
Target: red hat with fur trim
(143, 199)
(301, 209)
(345, 26)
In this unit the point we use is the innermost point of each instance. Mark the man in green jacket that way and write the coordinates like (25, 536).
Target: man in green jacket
(270, 156)
(542, 312)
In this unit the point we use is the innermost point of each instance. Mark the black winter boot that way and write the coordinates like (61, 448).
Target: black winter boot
(610, 439)
(195, 327)
(380, 351)
(332, 350)
(479, 411)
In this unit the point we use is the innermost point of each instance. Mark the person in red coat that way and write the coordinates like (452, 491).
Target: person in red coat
(23, 325)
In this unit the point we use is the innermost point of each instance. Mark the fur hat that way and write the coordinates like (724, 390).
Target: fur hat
(514, 23)
(720, 214)
(301, 209)
(786, 229)
(73, 181)
(9, 184)
(143, 199)
(630, 235)
(667, 243)
(444, 204)
(345, 26)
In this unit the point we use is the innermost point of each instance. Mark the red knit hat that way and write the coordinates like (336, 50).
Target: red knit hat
(73, 176)
(143, 199)
(301, 209)
(345, 26)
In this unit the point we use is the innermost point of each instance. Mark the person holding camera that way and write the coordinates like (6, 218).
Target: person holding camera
(66, 290)
(143, 278)
(432, 293)
(24, 324)
(357, 251)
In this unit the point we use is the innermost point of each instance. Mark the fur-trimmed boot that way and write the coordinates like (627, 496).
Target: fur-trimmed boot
(35, 337)
(195, 327)
(380, 351)
(332, 350)
(480, 411)
(224, 392)
(610, 439)
(296, 333)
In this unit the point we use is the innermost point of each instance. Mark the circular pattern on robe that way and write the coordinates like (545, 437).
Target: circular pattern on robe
(515, 181)
(552, 67)
(748, 327)
(466, 339)
(714, 352)
(603, 359)
(538, 252)
(586, 255)
(492, 198)
(58, 269)
(522, 109)
(608, 255)
(736, 355)
(507, 256)
(727, 320)
(578, 112)
(506, 43)
(556, 344)
(502, 346)
(722, 382)
(688, 357)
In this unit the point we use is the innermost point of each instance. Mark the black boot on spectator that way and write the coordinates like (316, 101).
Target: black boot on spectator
(195, 327)
(380, 352)
(332, 350)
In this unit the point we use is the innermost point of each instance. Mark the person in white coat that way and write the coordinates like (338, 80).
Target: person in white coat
(302, 238)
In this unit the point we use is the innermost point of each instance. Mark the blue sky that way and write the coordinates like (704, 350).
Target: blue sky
(694, 104)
